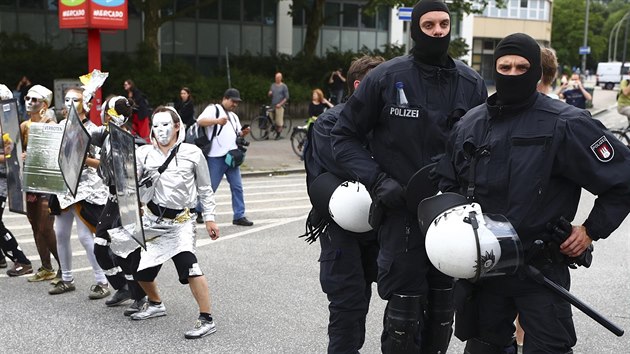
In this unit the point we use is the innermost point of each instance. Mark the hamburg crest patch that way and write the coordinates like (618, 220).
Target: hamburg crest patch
(603, 150)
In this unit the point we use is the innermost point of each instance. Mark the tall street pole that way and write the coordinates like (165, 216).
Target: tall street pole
(588, 3)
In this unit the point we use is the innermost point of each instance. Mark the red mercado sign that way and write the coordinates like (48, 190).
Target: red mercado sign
(95, 14)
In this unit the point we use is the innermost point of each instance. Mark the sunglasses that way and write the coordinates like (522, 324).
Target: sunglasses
(33, 99)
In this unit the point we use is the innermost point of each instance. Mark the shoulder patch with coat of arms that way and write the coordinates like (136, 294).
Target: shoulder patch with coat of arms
(603, 149)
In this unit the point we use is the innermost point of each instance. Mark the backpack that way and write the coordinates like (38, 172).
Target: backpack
(197, 135)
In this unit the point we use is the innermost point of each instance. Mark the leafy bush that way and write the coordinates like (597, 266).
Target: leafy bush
(252, 75)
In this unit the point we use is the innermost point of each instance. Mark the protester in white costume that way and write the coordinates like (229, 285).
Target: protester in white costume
(85, 208)
(168, 224)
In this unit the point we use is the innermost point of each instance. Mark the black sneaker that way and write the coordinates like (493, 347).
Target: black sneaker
(3, 262)
(135, 307)
(120, 296)
(242, 222)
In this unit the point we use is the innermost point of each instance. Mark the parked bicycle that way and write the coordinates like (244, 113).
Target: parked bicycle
(623, 134)
(263, 126)
(299, 137)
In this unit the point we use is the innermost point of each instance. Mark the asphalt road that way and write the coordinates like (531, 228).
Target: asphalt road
(265, 291)
(265, 287)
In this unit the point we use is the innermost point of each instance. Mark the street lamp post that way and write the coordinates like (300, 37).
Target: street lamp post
(616, 29)
(588, 4)
(610, 42)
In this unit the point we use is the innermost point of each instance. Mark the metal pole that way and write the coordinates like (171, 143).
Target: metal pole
(227, 61)
(588, 4)
(610, 40)
(625, 46)
(617, 34)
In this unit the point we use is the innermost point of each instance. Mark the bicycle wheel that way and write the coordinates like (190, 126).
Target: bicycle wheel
(286, 127)
(298, 138)
(622, 135)
(260, 128)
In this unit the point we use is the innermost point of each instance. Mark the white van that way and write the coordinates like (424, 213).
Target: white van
(609, 74)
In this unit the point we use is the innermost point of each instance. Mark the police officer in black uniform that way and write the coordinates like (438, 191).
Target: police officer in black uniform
(405, 108)
(527, 156)
(348, 259)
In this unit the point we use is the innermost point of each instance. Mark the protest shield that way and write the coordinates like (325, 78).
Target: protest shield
(41, 168)
(12, 144)
(125, 175)
(73, 151)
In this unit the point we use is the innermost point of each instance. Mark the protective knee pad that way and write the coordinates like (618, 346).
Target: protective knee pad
(438, 328)
(403, 322)
(476, 346)
(9, 243)
(8, 240)
(102, 255)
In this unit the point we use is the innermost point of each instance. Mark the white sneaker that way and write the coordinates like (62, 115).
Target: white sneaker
(149, 311)
(202, 328)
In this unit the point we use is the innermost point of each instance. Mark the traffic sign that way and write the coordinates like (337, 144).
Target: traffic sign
(404, 13)
(585, 50)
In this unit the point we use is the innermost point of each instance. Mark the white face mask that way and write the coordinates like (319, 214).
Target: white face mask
(163, 127)
(33, 102)
(74, 98)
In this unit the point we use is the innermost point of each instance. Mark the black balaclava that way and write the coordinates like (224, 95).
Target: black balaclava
(429, 50)
(514, 89)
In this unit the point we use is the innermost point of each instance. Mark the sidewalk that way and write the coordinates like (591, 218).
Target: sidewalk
(277, 157)
(270, 157)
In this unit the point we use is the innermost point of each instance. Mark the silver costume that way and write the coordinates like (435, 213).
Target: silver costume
(91, 186)
(176, 188)
(3, 180)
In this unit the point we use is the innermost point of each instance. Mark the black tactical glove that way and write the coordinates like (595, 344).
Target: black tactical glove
(389, 192)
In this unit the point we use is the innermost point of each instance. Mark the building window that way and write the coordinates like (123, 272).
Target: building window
(231, 10)
(350, 15)
(210, 11)
(331, 14)
(184, 4)
(31, 4)
(524, 4)
(368, 21)
(270, 9)
(252, 11)
(298, 17)
(7, 4)
(382, 18)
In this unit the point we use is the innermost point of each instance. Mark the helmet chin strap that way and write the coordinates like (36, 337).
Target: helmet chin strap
(472, 220)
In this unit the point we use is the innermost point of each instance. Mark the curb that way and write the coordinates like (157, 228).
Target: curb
(271, 172)
(602, 110)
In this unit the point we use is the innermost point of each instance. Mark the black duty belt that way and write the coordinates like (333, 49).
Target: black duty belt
(163, 212)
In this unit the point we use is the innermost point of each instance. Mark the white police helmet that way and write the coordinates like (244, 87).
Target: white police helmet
(464, 243)
(349, 207)
(347, 203)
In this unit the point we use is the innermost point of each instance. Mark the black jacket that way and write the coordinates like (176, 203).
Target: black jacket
(186, 110)
(318, 156)
(403, 139)
(533, 161)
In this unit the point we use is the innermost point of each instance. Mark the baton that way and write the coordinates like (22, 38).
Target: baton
(538, 277)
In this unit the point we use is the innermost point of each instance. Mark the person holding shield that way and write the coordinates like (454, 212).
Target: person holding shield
(168, 223)
(8, 243)
(37, 101)
(119, 265)
(84, 207)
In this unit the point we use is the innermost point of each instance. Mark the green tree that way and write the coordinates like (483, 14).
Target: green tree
(156, 13)
(567, 34)
(314, 15)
